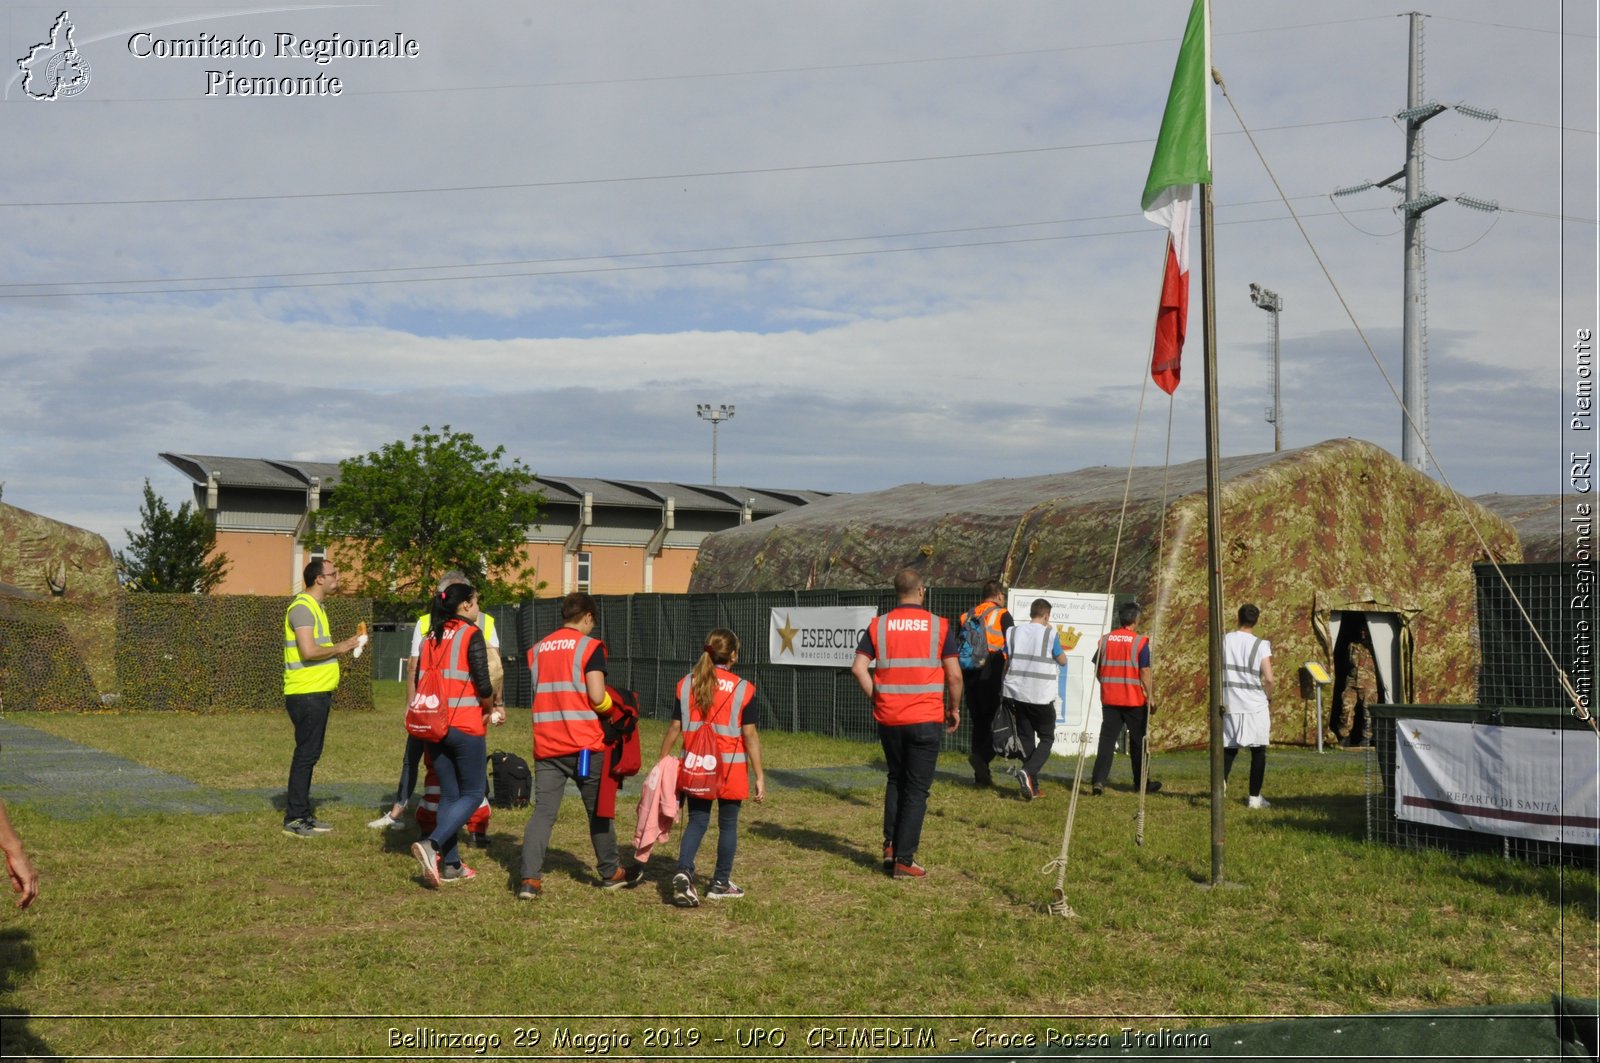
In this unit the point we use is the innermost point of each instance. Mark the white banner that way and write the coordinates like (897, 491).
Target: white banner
(1521, 782)
(1080, 619)
(823, 636)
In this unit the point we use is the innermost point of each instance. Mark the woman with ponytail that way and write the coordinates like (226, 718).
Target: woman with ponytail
(712, 696)
(456, 655)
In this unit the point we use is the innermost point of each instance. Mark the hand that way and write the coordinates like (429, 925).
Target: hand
(24, 879)
(952, 721)
(497, 717)
(761, 788)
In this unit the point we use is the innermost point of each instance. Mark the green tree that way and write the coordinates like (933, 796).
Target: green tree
(172, 552)
(407, 513)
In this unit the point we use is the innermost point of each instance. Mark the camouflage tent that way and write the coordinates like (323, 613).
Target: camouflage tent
(1336, 525)
(62, 580)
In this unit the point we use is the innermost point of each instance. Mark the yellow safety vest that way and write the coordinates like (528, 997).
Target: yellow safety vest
(425, 622)
(315, 677)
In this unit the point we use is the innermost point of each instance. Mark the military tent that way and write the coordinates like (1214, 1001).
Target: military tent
(1310, 535)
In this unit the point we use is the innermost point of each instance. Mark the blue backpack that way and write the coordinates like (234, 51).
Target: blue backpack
(973, 649)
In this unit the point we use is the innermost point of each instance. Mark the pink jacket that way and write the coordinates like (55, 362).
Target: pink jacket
(658, 807)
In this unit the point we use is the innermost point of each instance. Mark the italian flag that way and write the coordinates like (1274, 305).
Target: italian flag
(1181, 164)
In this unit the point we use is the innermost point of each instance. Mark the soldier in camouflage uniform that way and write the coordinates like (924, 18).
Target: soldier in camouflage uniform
(1352, 724)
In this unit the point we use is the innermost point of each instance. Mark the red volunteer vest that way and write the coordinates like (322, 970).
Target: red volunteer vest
(1119, 669)
(563, 720)
(732, 696)
(909, 676)
(448, 659)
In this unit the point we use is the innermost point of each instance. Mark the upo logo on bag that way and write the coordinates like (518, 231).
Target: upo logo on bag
(427, 718)
(701, 773)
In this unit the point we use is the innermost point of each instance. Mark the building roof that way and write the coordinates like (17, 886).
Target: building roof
(648, 494)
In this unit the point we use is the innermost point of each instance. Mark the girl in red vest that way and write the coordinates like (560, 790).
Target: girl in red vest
(712, 696)
(455, 653)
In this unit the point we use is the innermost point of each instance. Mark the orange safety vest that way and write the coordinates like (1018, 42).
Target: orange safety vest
(563, 719)
(908, 671)
(448, 659)
(732, 696)
(990, 612)
(1118, 670)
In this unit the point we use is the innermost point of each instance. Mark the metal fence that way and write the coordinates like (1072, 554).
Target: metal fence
(1512, 669)
(1384, 825)
(653, 640)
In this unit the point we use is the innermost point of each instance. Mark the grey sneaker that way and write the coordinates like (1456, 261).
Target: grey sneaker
(683, 894)
(456, 873)
(318, 826)
(724, 891)
(428, 859)
(299, 828)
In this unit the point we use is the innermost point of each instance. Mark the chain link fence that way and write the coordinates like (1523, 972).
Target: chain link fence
(653, 640)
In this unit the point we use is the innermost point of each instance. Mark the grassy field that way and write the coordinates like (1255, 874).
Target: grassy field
(152, 930)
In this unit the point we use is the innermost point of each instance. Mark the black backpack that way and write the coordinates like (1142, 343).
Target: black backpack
(511, 783)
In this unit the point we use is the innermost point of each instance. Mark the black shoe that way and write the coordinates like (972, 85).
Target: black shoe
(1097, 790)
(1152, 787)
(981, 775)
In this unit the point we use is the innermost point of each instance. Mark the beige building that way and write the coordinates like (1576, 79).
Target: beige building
(602, 536)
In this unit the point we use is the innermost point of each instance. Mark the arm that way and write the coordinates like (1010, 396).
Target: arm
(1144, 683)
(752, 750)
(24, 879)
(594, 684)
(310, 652)
(862, 670)
(411, 678)
(1266, 677)
(952, 694)
(674, 729)
(478, 669)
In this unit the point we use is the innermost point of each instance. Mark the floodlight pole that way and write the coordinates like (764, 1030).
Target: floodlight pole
(1272, 303)
(716, 415)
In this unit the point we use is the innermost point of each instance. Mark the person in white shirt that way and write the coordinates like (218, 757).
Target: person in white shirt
(1247, 693)
(1030, 687)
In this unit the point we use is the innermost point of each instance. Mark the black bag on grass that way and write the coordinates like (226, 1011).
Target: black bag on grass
(511, 783)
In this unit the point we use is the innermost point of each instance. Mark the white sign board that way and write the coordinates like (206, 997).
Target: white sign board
(1519, 782)
(822, 636)
(1080, 619)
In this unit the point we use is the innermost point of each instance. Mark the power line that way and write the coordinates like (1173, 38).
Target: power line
(757, 260)
(754, 171)
(1506, 26)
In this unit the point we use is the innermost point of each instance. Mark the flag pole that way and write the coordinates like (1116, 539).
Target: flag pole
(1213, 529)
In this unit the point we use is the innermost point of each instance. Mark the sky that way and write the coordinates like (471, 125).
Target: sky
(902, 238)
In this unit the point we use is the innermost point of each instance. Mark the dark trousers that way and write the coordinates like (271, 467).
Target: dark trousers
(983, 698)
(695, 832)
(408, 769)
(1258, 766)
(1036, 729)
(309, 714)
(549, 782)
(461, 762)
(1113, 719)
(912, 751)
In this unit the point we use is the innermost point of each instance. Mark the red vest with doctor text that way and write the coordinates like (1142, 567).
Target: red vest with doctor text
(1119, 669)
(725, 719)
(563, 720)
(908, 675)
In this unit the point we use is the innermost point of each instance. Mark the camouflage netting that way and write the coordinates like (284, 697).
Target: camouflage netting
(195, 653)
(74, 571)
(1341, 519)
(40, 667)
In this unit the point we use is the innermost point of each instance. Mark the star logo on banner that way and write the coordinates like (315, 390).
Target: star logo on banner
(787, 632)
(1416, 734)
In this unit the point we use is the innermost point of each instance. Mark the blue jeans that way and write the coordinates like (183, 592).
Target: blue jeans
(408, 769)
(460, 761)
(309, 714)
(695, 832)
(912, 751)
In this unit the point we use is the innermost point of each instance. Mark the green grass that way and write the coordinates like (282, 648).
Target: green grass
(188, 916)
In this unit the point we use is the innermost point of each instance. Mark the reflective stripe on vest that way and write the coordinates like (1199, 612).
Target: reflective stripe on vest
(447, 658)
(1118, 670)
(308, 677)
(564, 720)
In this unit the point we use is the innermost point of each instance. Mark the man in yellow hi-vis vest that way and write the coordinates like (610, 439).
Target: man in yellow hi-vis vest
(310, 676)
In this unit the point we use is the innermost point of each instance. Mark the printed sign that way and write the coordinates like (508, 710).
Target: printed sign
(1080, 620)
(1520, 782)
(821, 636)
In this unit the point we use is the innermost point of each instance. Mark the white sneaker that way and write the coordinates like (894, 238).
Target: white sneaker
(1257, 802)
(386, 822)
